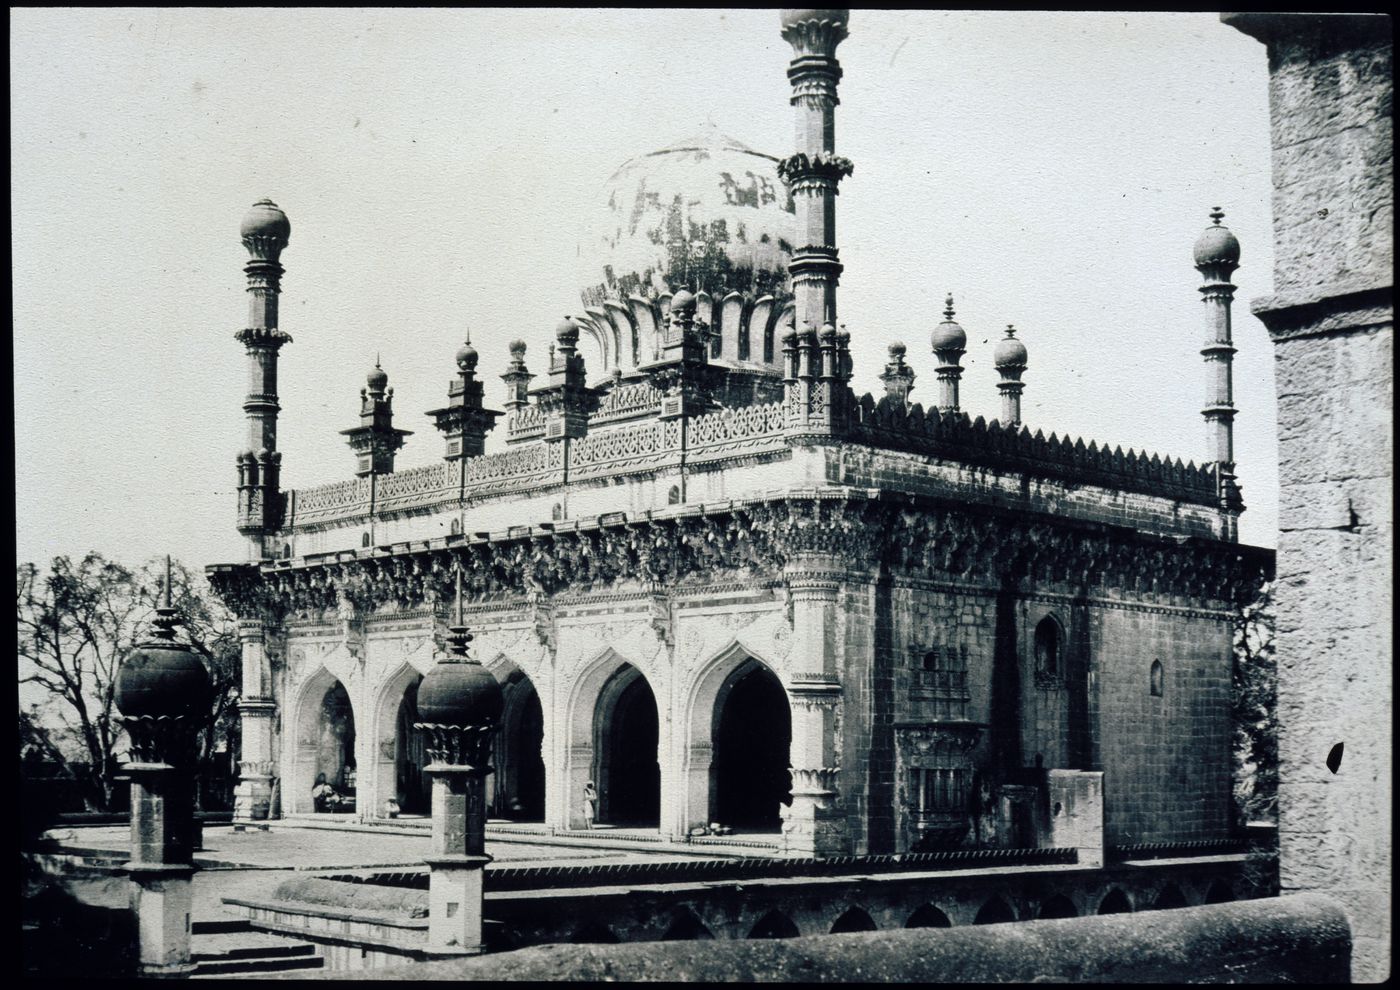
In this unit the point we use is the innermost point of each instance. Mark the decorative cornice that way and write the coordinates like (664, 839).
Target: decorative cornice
(906, 538)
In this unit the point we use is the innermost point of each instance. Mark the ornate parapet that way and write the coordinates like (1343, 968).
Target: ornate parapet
(957, 436)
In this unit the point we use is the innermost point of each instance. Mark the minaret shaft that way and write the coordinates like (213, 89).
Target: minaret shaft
(815, 169)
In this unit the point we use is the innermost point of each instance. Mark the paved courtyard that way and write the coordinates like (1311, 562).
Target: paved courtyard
(253, 863)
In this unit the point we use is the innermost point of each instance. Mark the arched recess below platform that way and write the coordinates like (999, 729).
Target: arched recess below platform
(516, 789)
(401, 750)
(737, 767)
(325, 743)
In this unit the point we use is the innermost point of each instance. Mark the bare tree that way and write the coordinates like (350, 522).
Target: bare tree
(80, 621)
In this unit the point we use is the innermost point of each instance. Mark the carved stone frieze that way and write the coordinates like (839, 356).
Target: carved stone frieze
(743, 542)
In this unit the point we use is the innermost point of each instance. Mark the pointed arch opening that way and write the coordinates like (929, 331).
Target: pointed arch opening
(324, 777)
(1115, 902)
(687, 928)
(626, 735)
(750, 777)
(928, 916)
(853, 919)
(517, 792)
(399, 787)
(995, 912)
(1058, 906)
(774, 924)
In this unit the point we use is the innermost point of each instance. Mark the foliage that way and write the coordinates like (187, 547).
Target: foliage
(81, 620)
(1255, 710)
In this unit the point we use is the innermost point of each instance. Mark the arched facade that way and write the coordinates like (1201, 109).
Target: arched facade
(399, 751)
(614, 740)
(324, 742)
(711, 775)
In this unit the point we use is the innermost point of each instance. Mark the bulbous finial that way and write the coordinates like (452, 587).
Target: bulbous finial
(467, 355)
(683, 302)
(1009, 353)
(1217, 246)
(377, 377)
(948, 336)
(566, 332)
(265, 230)
(161, 678)
(517, 350)
(897, 351)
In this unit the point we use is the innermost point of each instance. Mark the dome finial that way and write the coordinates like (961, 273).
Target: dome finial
(948, 308)
(1217, 214)
(1010, 331)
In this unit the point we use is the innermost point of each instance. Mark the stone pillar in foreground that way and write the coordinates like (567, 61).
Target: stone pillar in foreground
(162, 691)
(815, 824)
(1331, 319)
(460, 705)
(252, 797)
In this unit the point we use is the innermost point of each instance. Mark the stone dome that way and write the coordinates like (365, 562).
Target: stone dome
(459, 693)
(1216, 245)
(265, 219)
(377, 378)
(162, 677)
(705, 213)
(1009, 352)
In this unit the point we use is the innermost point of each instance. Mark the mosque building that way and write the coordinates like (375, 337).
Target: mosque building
(722, 587)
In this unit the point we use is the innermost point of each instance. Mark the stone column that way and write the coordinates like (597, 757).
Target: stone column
(252, 798)
(815, 824)
(160, 868)
(458, 858)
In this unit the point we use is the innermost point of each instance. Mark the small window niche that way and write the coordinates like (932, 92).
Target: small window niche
(1155, 678)
(1049, 653)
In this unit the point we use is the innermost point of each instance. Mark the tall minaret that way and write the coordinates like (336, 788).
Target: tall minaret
(1010, 360)
(1217, 254)
(264, 230)
(814, 171)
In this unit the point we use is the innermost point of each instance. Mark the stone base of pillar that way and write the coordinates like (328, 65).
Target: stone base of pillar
(814, 825)
(161, 899)
(455, 905)
(252, 798)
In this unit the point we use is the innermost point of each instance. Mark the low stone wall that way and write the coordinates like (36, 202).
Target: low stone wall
(1299, 939)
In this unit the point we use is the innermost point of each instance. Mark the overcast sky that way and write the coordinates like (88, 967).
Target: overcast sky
(439, 167)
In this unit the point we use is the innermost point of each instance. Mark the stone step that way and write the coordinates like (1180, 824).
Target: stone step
(256, 967)
(255, 952)
(222, 926)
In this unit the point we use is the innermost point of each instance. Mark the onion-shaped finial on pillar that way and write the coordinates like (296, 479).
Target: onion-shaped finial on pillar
(1010, 360)
(459, 701)
(949, 341)
(162, 691)
(467, 356)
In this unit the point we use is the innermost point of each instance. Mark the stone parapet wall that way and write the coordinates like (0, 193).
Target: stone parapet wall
(1300, 939)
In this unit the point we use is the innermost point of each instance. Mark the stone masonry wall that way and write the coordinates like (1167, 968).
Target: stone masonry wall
(1166, 759)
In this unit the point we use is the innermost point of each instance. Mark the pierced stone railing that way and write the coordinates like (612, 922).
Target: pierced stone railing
(622, 449)
(338, 500)
(524, 423)
(628, 401)
(416, 487)
(736, 432)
